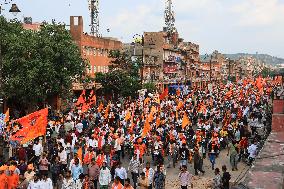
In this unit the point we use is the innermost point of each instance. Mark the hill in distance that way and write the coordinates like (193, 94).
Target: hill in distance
(267, 59)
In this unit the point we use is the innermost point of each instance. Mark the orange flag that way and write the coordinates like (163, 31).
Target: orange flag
(151, 117)
(107, 111)
(185, 120)
(81, 99)
(146, 128)
(147, 100)
(7, 116)
(34, 125)
(164, 94)
(93, 98)
(85, 107)
(158, 122)
(80, 154)
(101, 107)
(180, 105)
(128, 115)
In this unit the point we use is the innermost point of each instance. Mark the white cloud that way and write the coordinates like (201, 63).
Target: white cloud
(259, 12)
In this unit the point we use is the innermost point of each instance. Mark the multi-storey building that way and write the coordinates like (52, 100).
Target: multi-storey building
(165, 62)
(94, 49)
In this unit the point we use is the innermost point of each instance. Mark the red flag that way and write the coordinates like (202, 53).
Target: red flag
(81, 99)
(34, 125)
(164, 94)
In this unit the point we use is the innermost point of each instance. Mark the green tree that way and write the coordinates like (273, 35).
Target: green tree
(38, 65)
(151, 87)
(123, 79)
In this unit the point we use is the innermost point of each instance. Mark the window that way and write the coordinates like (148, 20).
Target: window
(76, 21)
(99, 69)
(89, 69)
(95, 51)
(95, 69)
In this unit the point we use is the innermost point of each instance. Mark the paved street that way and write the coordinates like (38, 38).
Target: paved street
(200, 181)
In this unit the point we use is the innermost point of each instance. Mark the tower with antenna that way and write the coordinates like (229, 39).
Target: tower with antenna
(94, 13)
(169, 17)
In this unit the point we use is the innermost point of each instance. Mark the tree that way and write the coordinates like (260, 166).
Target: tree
(38, 65)
(151, 87)
(123, 79)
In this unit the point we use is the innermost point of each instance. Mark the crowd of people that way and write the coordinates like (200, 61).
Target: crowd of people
(87, 148)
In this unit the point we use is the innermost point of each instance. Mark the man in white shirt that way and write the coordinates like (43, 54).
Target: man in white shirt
(104, 177)
(79, 127)
(117, 147)
(46, 183)
(149, 173)
(63, 158)
(121, 173)
(38, 150)
(35, 183)
(93, 143)
(252, 150)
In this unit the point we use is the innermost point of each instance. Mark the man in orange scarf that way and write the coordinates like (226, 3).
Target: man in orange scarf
(3, 178)
(13, 179)
(127, 184)
(116, 184)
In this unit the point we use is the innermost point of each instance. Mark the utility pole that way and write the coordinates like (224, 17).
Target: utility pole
(95, 24)
(1, 80)
(210, 76)
(229, 70)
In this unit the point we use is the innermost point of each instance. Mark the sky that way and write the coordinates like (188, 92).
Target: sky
(229, 26)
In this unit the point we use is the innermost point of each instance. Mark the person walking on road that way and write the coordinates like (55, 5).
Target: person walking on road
(104, 177)
(185, 178)
(159, 179)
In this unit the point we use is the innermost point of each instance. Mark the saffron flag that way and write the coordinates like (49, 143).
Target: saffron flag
(147, 100)
(33, 126)
(128, 115)
(158, 122)
(93, 98)
(185, 121)
(151, 117)
(85, 107)
(101, 107)
(7, 116)
(81, 99)
(107, 111)
(164, 94)
(146, 128)
(80, 154)
(180, 105)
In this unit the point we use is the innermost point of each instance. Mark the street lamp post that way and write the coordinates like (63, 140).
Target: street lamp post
(14, 10)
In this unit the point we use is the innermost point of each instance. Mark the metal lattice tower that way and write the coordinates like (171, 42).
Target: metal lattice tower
(169, 17)
(95, 24)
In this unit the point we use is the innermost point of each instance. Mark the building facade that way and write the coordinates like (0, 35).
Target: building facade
(166, 61)
(94, 49)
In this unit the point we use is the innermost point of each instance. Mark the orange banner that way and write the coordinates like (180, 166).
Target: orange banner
(33, 126)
